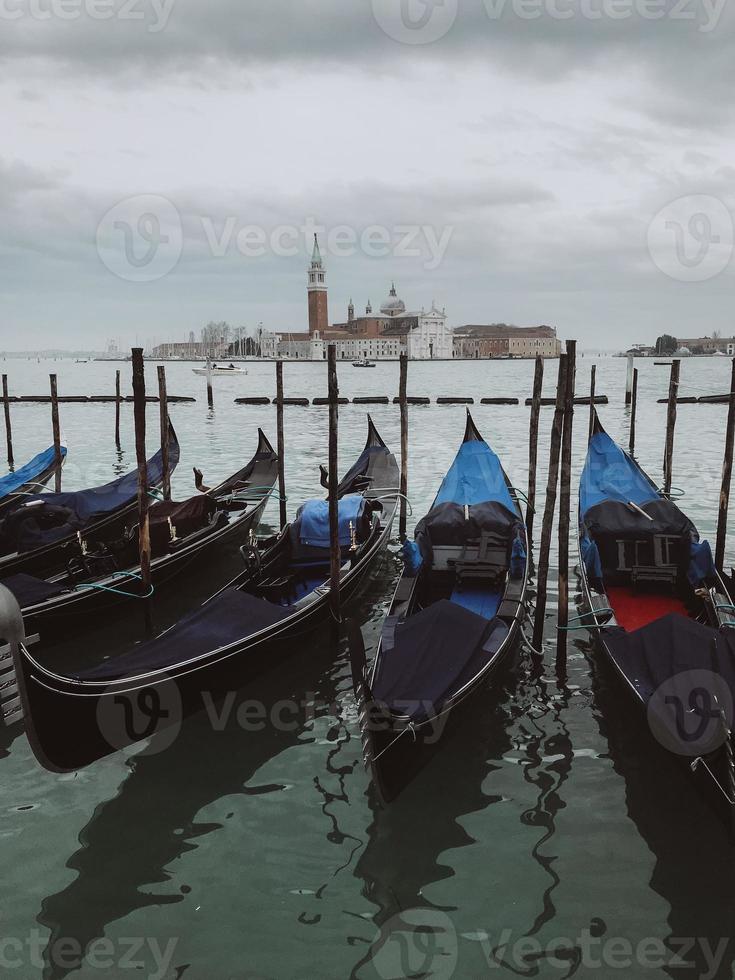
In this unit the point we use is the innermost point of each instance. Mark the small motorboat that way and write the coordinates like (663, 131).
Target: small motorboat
(662, 613)
(453, 621)
(228, 370)
(363, 362)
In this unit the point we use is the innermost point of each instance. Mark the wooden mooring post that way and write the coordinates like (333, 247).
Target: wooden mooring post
(538, 383)
(593, 380)
(56, 429)
(334, 549)
(402, 386)
(671, 424)
(8, 429)
(726, 477)
(281, 445)
(117, 409)
(144, 534)
(542, 573)
(565, 503)
(210, 393)
(163, 405)
(629, 379)
(633, 408)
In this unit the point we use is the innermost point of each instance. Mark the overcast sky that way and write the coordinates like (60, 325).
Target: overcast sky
(162, 164)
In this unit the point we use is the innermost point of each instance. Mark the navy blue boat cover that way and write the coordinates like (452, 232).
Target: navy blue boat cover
(231, 616)
(25, 529)
(29, 590)
(436, 652)
(29, 472)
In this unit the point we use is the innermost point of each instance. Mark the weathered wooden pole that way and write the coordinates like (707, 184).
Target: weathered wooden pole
(334, 549)
(545, 547)
(726, 477)
(671, 424)
(144, 535)
(280, 444)
(210, 394)
(163, 405)
(629, 379)
(402, 385)
(565, 503)
(538, 381)
(8, 430)
(633, 407)
(593, 381)
(56, 432)
(117, 409)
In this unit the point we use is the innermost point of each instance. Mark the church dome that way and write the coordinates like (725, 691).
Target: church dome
(393, 306)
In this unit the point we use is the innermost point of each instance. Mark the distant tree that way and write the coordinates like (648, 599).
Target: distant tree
(666, 344)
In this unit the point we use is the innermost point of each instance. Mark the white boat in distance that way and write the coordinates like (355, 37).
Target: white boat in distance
(216, 369)
(363, 362)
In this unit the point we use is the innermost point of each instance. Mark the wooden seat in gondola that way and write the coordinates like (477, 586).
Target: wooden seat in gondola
(486, 559)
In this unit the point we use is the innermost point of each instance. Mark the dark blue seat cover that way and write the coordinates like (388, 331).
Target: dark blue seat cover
(232, 616)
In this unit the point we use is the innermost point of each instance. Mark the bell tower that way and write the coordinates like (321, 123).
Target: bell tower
(317, 293)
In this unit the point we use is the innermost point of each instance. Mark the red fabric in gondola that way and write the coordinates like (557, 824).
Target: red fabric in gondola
(633, 610)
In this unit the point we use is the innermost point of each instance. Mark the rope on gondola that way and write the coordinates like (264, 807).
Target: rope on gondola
(531, 647)
(675, 493)
(108, 588)
(519, 493)
(391, 492)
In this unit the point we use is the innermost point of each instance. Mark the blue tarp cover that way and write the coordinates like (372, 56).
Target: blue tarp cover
(28, 473)
(475, 477)
(314, 516)
(610, 474)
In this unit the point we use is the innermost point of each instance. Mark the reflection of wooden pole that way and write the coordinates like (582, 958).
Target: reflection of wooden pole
(117, 409)
(210, 394)
(56, 431)
(545, 547)
(402, 384)
(671, 424)
(633, 407)
(334, 549)
(8, 430)
(726, 477)
(280, 443)
(538, 381)
(593, 380)
(565, 489)
(163, 405)
(144, 534)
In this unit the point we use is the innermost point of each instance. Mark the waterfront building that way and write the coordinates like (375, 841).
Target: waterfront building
(503, 340)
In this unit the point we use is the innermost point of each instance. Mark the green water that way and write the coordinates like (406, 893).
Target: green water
(549, 838)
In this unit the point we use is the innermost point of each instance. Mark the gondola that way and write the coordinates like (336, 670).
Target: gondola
(108, 574)
(244, 629)
(662, 613)
(30, 477)
(40, 535)
(453, 620)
